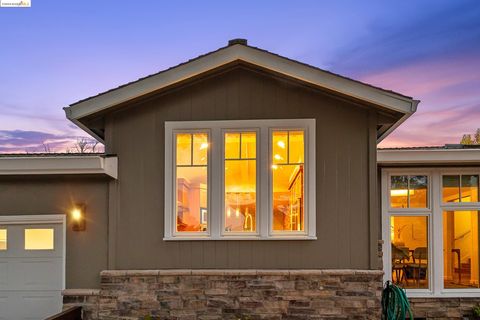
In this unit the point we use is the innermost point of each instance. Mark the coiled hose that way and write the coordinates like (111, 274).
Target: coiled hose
(395, 304)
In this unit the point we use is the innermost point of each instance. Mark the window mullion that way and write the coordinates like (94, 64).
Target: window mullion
(437, 235)
(215, 183)
(263, 188)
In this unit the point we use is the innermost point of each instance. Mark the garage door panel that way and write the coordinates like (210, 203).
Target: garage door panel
(32, 271)
(40, 306)
(3, 274)
(3, 307)
(39, 275)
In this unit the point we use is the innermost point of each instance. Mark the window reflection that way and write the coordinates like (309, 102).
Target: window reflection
(409, 191)
(240, 181)
(460, 188)
(409, 251)
(191, 177)
(288, 180)
(460, 249)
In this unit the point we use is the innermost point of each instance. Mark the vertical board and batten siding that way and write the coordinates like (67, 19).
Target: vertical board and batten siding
(86, 251)
(136, 135)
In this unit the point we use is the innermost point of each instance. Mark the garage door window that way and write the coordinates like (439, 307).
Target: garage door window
(3, 239)
(39, 239)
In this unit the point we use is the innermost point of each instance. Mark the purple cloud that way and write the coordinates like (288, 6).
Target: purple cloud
(20, 141)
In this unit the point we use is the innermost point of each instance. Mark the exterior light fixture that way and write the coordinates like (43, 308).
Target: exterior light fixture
(77, 216)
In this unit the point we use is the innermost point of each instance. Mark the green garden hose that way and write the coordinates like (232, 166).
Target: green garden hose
(395, 304)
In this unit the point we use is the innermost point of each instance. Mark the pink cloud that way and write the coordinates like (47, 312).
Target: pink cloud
(450, 99)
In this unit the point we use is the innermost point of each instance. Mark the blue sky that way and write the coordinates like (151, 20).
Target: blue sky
(58, 52)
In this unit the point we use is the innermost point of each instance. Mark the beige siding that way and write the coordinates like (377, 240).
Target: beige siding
(136, 135)
(87, 250)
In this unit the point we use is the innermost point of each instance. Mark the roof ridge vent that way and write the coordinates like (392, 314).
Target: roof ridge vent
(237, 41)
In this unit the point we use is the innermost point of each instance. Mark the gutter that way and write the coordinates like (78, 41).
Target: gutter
(413, 109)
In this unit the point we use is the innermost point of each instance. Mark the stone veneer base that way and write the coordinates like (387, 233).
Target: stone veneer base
(442, 308)
(233, 294)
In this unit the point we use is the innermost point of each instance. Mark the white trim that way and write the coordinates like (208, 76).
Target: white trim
(32, 219)
(428, 156)
(38, 165)
(215, 179)
(263, 59)
(42, 219)
(435, 214)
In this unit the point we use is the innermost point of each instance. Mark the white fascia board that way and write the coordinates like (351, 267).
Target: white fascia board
(250, 55)
(59, 165)
(435, 156)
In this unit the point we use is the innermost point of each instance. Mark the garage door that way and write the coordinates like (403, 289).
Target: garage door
(31, 269)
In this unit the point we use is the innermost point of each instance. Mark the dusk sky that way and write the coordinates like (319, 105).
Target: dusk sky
(58, 52)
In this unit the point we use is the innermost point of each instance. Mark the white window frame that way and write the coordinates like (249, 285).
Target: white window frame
(434, 212)
(264, 214)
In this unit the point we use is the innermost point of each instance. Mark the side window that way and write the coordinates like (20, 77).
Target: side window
(288, 180)
(191, 170)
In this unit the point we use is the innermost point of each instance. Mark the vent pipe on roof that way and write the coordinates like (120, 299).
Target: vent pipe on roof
(237, 41)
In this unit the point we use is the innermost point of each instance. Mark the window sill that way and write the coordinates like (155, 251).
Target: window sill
(241, 238)
(415, 293)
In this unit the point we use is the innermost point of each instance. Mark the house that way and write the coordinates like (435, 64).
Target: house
(240, 184)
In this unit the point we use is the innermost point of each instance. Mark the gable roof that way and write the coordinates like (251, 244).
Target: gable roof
(238, 50)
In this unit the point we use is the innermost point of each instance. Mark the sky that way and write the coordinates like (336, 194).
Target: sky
(58, 52)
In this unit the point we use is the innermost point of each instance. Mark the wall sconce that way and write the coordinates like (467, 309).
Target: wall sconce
(77, 215)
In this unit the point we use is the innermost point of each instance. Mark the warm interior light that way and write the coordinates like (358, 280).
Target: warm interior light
(76, 214)
(400, 192)
(204, 146)
(281, 144)
(278, 157)
(229, 213)
(237, 213)
(274, 167)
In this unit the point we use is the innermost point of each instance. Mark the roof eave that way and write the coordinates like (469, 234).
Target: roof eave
(263, 59)
(387, 132)
(428, 157)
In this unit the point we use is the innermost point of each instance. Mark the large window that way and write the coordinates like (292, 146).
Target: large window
(240, 185)
(288, 176)
(191, 181)
(431, 230)
(240, 179)
(460, 249)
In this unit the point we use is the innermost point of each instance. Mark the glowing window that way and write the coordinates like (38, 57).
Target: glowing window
(192, 182)
(409, 251)
(222, 179)
(39, 239)
(288, 180)
(460, 249)
(409, 191)
(3, 239)
(240, 182)
(460, 188)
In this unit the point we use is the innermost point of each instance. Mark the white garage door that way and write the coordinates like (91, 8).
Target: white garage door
(31, 268)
